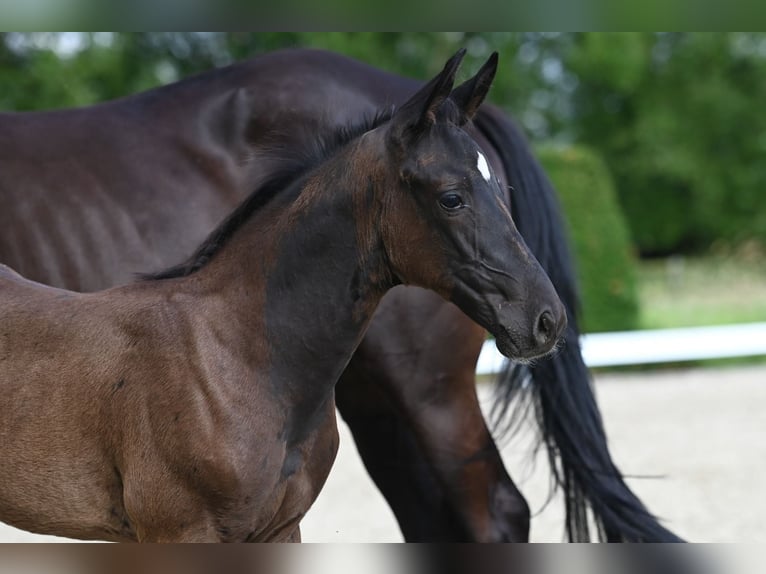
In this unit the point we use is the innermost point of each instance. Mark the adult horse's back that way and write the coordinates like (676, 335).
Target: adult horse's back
(85, 188)
(98, 194)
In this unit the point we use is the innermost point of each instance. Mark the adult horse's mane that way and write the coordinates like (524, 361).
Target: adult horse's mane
(291, 165)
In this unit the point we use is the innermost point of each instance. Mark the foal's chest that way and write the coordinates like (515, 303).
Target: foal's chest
(304, 470)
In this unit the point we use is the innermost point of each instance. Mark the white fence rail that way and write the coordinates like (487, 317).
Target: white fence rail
(656, 346)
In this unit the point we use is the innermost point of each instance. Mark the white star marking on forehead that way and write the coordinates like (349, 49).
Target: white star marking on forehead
(483, 166)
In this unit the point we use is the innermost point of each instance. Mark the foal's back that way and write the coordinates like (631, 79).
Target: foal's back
(52, 412)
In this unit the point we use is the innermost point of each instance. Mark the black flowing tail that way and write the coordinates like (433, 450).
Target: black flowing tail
(560, 391)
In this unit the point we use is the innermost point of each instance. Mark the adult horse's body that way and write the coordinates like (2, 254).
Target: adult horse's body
(198, 406)
(93, 196)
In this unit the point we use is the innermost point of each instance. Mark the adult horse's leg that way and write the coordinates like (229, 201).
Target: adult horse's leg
(394, 460)
(409, 397)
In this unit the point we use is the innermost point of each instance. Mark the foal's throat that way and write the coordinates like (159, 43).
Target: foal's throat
(307, 274)
(329, 276)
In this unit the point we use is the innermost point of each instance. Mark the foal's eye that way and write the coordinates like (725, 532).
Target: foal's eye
(451, 201)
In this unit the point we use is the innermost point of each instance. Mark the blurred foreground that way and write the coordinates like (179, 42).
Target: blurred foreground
(380, 559)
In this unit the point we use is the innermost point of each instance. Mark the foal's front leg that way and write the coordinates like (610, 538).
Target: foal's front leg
(409, 397)
(165, 509)
(206, 532)
(197, 532)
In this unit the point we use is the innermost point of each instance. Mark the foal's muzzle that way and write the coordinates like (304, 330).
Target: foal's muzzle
(519, 338)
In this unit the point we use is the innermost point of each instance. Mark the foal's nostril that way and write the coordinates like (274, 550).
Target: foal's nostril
(545, 328)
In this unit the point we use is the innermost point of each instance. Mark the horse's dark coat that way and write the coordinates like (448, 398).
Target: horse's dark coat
(93, 196)
(249, 343)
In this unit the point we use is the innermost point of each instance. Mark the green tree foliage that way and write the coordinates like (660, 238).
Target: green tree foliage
(677, 116)
(44, 70)
(599, 237)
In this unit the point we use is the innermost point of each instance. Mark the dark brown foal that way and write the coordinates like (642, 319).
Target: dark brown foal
(199, 405)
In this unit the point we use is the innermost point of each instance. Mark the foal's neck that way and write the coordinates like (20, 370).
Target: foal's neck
(305, 275)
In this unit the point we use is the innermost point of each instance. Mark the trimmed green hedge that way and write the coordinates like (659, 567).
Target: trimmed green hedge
(599, 238)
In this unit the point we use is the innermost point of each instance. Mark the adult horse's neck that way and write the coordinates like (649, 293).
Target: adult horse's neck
(301, 278)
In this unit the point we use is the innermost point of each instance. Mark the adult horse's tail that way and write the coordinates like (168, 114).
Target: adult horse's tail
(560, 390)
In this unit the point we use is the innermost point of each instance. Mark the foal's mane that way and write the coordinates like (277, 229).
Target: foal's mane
(291, 165)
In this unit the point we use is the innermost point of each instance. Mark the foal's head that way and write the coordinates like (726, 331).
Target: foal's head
(447, 226)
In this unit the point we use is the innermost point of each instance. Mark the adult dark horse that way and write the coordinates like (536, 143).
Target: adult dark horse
(198, 406)
(92, 196)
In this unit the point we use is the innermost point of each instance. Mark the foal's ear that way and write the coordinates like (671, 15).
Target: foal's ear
(420, 110)
(470, 94)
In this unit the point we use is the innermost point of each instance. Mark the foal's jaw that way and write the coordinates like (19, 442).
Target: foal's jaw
(500, 284)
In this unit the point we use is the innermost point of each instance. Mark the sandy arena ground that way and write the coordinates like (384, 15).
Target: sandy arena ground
(702, 430)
